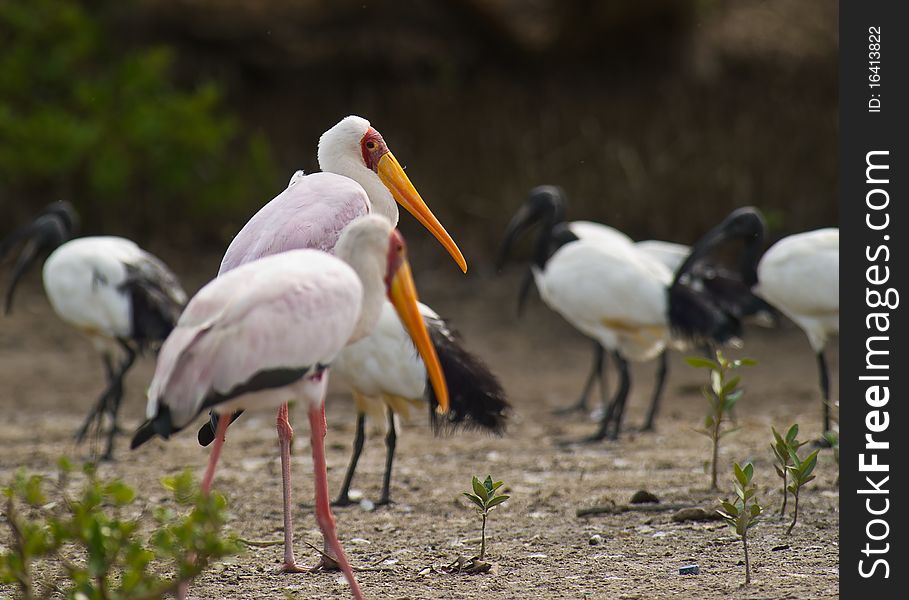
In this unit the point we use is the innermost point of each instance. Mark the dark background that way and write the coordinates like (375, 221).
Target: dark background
(656, 116)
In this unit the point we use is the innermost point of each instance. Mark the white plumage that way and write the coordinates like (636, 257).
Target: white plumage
(85, 282)
(291, 310)
(123, 298)
(384, 363)
(610, 292)
(799, 275)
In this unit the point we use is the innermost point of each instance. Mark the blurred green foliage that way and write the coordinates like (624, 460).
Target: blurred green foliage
(86, 117)
(89, 545)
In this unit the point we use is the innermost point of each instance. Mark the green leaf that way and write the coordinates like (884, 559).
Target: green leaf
(749, 471)
(809, 463)
(730, 385)
(497, 500)
(746, 362)
(476, 500)
(740, 475)
(699, 362)
(792, 433)
(479, 489)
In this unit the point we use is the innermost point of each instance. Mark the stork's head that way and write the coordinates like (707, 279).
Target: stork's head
(378, 255)
(354, 149)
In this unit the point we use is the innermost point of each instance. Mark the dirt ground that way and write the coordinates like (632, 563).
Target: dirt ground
(540, 548)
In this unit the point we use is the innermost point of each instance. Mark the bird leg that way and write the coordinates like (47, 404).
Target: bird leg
(116, 396)
(657, 391)
(285, 437)
(96, 413)
(595, 373)
(220, 434)
(343, 496)
(323, 508)
(823, 442)
(621, 397)
(613, 412)
(391, 439)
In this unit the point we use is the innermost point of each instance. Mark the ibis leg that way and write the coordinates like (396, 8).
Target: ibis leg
(343, 497)
(116, 396)
(825, 388)
(613, 412)
(596, 371)
(391, 439)
(323, 508)
(621, 397)
(97, 412)
(657, 391)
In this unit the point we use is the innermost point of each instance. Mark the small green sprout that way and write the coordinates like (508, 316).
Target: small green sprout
(742, 513)
(800, 474)
(781, 446)
(722, 393)
(83, 546)
(485, 498)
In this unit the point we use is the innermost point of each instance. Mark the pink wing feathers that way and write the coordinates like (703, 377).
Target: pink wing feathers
(293, 310)
(310, 213)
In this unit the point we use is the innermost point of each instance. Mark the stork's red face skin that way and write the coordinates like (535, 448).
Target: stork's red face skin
(373, 148)
(396, 253)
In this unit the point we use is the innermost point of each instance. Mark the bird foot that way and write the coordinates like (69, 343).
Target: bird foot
(385, 501)
(342, 502)
(577, 408)
(292, 567)
(326, 563)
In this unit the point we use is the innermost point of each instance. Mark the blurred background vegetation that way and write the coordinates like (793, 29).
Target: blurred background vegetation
(174, 120)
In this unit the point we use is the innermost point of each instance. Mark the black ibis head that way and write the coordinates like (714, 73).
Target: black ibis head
(55, 225)
(746, 224)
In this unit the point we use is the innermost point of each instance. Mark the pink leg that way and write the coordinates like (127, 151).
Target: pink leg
(285, 436)
(223, 422)
(323, 508)
(220, 434)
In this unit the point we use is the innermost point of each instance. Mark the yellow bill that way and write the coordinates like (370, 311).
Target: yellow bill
(394, 178)
(403, 295)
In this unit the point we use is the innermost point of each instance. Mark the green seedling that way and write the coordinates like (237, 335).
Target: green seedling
(83, 545)
(485, 498)
(742, 513)
(799, 474)
(722, 392)
(781, 446)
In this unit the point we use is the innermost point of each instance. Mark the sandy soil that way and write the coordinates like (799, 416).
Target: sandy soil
(539, 546)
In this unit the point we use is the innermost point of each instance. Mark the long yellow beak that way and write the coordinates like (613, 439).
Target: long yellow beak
(403, 295)
(392, 175)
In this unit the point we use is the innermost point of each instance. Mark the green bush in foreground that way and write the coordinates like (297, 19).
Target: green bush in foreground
(83, 547)
(88, 116)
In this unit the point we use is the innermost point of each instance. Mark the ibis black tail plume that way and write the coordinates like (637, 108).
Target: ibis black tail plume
(476, 398)
(50, 229)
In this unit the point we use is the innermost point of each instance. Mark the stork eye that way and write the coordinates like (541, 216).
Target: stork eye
(370, 145)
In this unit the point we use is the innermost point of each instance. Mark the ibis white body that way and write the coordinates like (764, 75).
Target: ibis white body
(611, 292)
(799, 275)
(84, 281)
